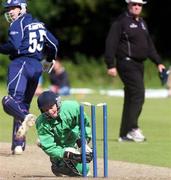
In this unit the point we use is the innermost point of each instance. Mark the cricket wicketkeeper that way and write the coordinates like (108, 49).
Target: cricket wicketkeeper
(59, 132)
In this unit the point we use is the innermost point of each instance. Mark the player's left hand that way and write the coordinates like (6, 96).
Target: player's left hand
(87, 148)
(164, 76)
(161, 67)
(89, 156)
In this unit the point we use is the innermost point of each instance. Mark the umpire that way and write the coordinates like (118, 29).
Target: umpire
(128, 45)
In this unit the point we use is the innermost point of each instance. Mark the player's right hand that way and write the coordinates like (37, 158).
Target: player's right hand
(73, 154)
(112, 72)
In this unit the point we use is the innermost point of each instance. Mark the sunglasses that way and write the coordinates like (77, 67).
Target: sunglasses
(137, 4)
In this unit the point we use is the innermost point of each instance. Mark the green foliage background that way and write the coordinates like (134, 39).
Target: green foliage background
(82, 25)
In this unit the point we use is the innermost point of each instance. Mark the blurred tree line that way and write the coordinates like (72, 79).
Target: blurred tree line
(82, 25)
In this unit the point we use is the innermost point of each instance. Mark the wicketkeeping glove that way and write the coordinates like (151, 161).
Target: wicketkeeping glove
(78, 141)
(75, 155)
(87, 148)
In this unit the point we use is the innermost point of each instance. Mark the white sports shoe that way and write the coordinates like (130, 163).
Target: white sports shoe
(124, 139)
(18, 150)
(136, 135)
(28, 122)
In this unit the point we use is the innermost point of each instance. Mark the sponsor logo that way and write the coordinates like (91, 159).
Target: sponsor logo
(133, 25)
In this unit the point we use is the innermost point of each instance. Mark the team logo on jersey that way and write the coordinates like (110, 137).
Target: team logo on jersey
(13, 32)
(133, 25)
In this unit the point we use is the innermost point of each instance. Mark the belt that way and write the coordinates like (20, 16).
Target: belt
(131, 59)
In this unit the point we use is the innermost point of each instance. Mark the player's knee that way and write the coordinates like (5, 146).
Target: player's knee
(6, 102)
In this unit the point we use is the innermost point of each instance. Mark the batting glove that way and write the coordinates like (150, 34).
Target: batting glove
(47, 66)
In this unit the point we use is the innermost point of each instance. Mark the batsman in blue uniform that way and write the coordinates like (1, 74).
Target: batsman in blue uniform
(28, 42)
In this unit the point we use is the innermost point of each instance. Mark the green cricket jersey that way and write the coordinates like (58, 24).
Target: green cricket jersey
(57, 134)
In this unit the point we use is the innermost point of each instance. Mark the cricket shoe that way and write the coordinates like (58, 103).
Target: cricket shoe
(136, 135)
(124, 139)
(28, 122)
(18, 150)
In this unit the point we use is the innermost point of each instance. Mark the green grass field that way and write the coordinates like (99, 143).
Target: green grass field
(155, 121)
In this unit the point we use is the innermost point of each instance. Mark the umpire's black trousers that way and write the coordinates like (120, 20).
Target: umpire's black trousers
(132, 76)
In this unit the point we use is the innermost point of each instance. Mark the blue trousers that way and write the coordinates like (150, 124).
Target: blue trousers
(23, 77)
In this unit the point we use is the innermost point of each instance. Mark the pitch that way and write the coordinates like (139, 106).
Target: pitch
(35, 164)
